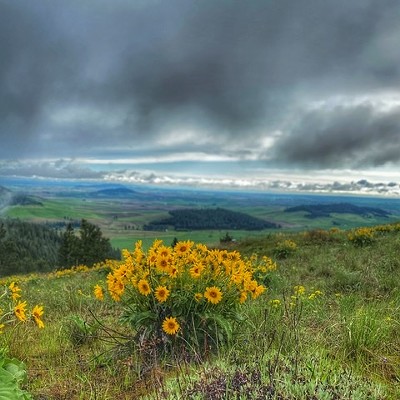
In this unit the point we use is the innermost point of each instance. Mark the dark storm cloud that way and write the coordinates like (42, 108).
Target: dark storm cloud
(81, 76)
(345, 136)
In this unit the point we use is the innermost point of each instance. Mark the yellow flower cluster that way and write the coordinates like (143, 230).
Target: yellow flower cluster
(275, 303)
(82, 269)
(300, 293)
(106, 265)
(185, 277)
(366, 235)
(17, 309)
(362, 236)
(284, 248)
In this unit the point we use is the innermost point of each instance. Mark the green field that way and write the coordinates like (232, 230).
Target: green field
(122, 221)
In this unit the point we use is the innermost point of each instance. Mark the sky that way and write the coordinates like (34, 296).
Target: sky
(259, 94)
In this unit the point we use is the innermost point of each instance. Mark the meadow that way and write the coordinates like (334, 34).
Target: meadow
(326, 327)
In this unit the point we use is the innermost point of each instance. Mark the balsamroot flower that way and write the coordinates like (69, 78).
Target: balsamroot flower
(20, 310)
(98, 292)
(184, 282)
(182, 248)
(14, 291)
(213, 294)
(144, 287)
(161, 294)
(37, 313)
(170, 326)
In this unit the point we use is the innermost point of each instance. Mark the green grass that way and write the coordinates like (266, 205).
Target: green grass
(341, 344)
(55, 210)
(126, 239)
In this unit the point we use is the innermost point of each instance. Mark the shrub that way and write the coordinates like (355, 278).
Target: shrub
(362, 236)
(183, 299)
(285, 248)
(320, 236)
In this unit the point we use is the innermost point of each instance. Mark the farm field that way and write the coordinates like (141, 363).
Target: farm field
(122, 211)
(325, 328)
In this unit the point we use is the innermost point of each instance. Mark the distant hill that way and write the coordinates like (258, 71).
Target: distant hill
(325, 210)
(10, 198)
(5, 196)
(119, 192)
(209, 218)
(19, 199)
(4, 191)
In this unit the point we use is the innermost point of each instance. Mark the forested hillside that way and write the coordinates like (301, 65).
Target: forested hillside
(209, 218)
(26, 247)
(29, 247)
(325, 210)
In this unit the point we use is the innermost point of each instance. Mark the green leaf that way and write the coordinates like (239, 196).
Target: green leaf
(16, 368)
(12, 374)
(140, 318)
(222, 323)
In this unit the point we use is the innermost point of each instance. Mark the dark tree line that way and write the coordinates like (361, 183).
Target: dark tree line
(87, 247)
(209, 218)
(28, 247)
(325, 210)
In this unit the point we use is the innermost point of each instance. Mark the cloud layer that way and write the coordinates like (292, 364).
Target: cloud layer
(304, 84)
(278, 181)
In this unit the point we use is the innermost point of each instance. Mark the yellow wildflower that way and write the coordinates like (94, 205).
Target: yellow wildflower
(196, 270)
(198, 296)
(138, 253)
(213, 294)
(164, 251)
(98, 292)
(162, 263)
(299, 290)
(182, 248)
(144, 287)
(170, 326)
(275, 303)
(173, 271)
(161, 293)
(115, 286)
(37, 313)
(14, 291)
(258, 290)
(123, 273)
(19, 311)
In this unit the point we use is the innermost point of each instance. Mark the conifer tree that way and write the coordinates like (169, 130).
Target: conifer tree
(93, 246)
(68, 253)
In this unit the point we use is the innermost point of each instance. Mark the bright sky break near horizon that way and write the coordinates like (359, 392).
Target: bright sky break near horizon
(261, 94)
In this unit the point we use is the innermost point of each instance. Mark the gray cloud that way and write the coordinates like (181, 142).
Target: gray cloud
(349, 136)
(83, 78)
(58, 169)
(72, 169)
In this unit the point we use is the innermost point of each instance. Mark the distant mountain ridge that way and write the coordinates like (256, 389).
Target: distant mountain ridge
(119, 192)
(325, 210)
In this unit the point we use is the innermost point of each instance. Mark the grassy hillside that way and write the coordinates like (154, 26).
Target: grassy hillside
(327, 328)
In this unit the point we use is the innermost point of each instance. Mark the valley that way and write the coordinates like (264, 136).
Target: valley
(125, 212)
